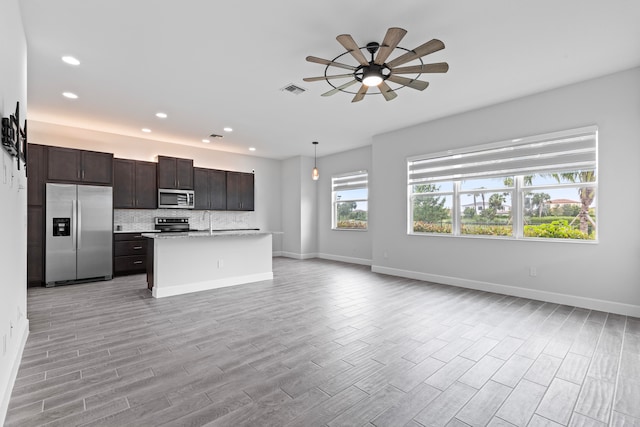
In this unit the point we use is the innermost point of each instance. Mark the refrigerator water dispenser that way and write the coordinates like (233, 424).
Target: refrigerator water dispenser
(61, 226)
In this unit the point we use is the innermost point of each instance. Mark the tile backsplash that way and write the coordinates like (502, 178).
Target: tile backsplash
(143, 219)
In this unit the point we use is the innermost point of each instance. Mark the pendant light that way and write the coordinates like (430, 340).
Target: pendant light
(315, 173)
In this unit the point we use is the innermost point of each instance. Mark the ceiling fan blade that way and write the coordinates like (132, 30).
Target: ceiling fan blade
(348, 43)
(391, 40)
(317, 79)
(339, 88)
(438, 67)
(386, 91)
(361, 93)
(422, 50)
(327, 62)
(412, 83)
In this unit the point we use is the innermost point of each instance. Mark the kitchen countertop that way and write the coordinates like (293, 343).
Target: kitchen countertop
(134, 231)
(207, 233)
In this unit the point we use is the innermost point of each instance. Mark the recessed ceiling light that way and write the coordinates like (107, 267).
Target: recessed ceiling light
(252, 148)
(70, 60)
(206, 141)
(70, 95)
(161, 115)
(228, 129)
(146, 130)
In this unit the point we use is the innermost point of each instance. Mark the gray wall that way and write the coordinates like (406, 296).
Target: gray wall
(601, 276)
(342, 245)
(14, 325)
(299, 208)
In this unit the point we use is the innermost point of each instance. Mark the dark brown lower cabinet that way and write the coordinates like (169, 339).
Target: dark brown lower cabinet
(150, 276)
(129, 254)
(35, 246)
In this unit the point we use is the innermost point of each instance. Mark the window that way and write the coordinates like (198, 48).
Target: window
(541, 187)
(349, 193)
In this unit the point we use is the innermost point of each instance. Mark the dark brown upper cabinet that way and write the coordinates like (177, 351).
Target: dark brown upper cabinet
(36, 156)
(79, 166)
(175, 173)
(240, 191)
(134, 184)
(210, 187)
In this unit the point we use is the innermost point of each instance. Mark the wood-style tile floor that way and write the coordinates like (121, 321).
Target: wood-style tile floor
(323, 344)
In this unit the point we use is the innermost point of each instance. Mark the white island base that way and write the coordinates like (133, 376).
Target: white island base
(199, 261)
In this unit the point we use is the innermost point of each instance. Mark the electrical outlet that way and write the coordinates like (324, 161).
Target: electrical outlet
(385, 255)
(220, 263)
(533, 272)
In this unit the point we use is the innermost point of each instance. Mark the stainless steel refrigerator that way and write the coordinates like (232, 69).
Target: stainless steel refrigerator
(79, 227)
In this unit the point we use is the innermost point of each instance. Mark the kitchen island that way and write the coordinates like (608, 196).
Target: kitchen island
(185, 262)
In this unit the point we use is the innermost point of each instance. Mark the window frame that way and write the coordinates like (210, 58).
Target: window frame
(517, 191)
(335, 202)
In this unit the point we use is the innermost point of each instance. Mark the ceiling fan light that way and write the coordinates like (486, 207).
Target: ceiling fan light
(372, 79)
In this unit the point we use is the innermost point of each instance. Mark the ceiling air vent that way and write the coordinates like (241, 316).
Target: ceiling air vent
(296, 90)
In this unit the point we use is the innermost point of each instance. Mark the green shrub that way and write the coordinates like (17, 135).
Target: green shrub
(352, 223)
(429, 227)
(487, 230)
(556, 230)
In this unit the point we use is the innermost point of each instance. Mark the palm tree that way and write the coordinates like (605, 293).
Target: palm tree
(539, 200)
(587, 194)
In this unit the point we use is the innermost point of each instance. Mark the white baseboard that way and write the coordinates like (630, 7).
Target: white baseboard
(15, 365)
(210, 284)
(350, 260)
(298, 256)
(553, 297)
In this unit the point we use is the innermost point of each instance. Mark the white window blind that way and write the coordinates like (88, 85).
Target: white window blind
(354, 181)
(559, 152)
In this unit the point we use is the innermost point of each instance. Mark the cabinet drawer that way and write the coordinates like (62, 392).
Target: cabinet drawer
(128, 236)
(137, 247)
(130, 263)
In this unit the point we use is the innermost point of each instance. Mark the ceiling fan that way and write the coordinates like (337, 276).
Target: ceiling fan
(377, 72)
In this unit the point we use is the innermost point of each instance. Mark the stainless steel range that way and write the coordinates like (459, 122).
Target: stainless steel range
(172, 225)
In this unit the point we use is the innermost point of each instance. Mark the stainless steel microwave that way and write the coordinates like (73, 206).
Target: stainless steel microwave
(171, 199)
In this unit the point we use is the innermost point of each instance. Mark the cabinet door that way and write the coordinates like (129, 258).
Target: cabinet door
(217, 190)
(35, 246)
(201, 188)
(166, 172)
(233, 191)
(63, 164)
(146, 192)
(184, 174)
(35, 174)
(246, 192)
(97, 167)
(123, 183)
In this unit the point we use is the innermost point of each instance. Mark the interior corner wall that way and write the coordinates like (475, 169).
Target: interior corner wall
(353, 246)
(14, 326)
(299, 207)
(602, 275)
(309, 208)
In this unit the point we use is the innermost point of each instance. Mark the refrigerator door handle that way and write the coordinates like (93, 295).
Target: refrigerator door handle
(79, 205)
(74, 227)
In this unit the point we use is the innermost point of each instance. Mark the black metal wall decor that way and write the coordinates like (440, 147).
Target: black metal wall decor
(14, 138)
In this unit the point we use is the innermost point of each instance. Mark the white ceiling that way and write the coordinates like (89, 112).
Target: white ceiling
(210, 64)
